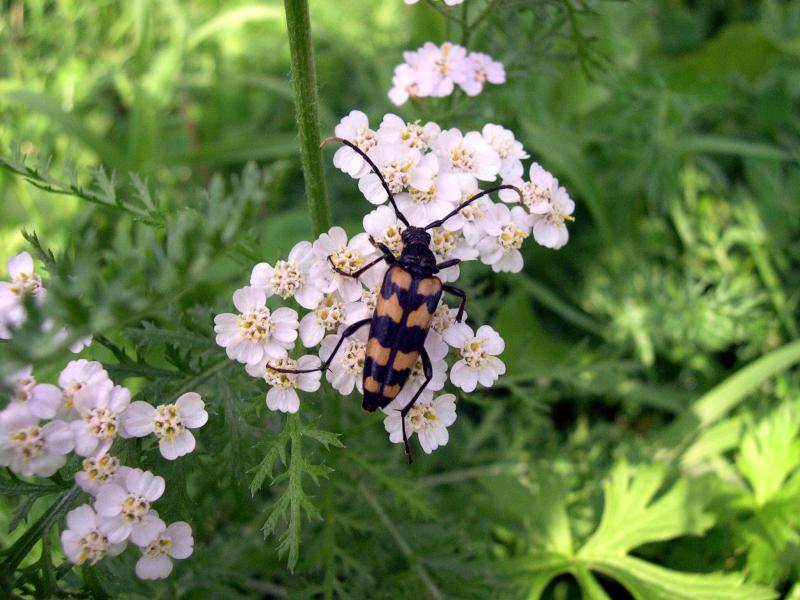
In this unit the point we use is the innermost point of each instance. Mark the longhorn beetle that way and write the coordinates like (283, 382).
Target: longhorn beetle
(404, 308)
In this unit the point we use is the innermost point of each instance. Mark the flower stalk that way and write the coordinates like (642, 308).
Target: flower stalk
(304, 84)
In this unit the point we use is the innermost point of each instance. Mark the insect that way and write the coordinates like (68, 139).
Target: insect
(404, 308)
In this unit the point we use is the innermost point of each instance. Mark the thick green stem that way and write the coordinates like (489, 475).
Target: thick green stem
(304, 83)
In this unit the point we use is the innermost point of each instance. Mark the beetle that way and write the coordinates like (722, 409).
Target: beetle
(408, 296)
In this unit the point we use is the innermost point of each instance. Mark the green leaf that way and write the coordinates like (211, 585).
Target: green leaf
(770, 452)
(725, 396)
(646, 581)
(22, 547)
(631, 517)
(634, 514)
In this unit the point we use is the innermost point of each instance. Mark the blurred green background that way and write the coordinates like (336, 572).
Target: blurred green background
(674, 124)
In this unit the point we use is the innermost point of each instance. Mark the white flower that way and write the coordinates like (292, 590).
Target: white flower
(443, 318)
(393, 129)
(467, 155)
(450, 244)
(99, 471)
(329, 313)
(28, 448)
(505, 231)
(401, 167)
(82, 540)
(77, 375)
(405, 84)
(549, 228)
(347, 257)
(536, 193)
(440, 67)
(508, 149)
(42, 399)
(425, 206)
(470, 219)
(479, 362)
(429, 418)
(23, 281)
(256, 332)
(169, 422)
(289, 278)
(354, 128)
(417, 377)
(383, 226)
(80, 343)
(175, 541)
(480, 68)
(100, 409)
(124, 508)
(282, 396)
(347, 367)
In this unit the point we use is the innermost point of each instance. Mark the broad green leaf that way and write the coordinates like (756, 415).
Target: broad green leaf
(646, 581)
(631, 517)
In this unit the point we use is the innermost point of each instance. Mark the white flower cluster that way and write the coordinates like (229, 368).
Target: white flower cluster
(84, 414)
(24, 281)
(434, 71)
(429, 172)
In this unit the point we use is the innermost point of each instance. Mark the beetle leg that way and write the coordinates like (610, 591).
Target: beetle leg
(349, 330)
(448, 263)
(427, 369)
(387, 253)
(459, 293)
(355, 274)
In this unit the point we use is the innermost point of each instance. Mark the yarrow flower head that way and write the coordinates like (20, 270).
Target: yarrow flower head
(479, 350)
(256, 332)
(100, 410)
(169, 422)
(429, 419)
(348, 365)
(125, 508)
(175, 541)
(42, 399)
(354, 128)
(433, 70)
(335, 255)
(505, 230)
(99, 471)
(78, 375)
(29, 448)
(282, 395)
(289, 278)
(24, 281)
(82, 540)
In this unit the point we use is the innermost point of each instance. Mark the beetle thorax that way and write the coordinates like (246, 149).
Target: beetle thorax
(417, 256)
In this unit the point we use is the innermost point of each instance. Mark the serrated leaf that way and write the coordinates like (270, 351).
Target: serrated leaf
(631, 517)
(770, 452)
(326, 438)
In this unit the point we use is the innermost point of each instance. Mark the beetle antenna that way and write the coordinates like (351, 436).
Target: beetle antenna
(463, 205)
(375, 170)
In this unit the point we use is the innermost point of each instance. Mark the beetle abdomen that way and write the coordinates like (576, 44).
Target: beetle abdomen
(403, 314)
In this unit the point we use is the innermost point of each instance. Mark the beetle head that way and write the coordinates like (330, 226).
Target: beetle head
(416, 236)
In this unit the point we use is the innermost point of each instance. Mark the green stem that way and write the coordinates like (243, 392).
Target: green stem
(304, 83)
